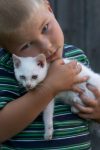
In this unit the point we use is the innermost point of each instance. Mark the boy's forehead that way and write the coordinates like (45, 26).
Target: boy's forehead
(36, 21)
(31, 27)
(37, 15)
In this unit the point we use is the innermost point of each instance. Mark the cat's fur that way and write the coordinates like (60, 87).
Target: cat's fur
(30, 71)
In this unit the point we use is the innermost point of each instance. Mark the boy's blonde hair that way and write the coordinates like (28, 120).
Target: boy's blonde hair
(13, 13)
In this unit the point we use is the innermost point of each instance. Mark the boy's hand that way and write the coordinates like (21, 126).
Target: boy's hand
(63, 77)
(91, 110)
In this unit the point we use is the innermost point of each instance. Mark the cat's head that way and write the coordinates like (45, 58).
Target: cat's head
(30, 71)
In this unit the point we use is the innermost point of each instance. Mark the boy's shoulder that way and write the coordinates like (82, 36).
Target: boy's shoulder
(5, 59)
(73, 52)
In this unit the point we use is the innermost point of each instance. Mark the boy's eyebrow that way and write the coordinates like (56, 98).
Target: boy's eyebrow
(42, 24)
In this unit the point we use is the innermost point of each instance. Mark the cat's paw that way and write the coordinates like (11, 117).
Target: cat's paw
(48, 133)
(74, 110)
(77, 99)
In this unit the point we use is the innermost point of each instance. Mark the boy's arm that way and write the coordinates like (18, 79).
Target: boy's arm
(92, 106)
(16, 115)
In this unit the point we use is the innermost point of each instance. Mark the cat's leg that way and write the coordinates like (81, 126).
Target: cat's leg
(76, 99)
(72, 98)
(48, 120)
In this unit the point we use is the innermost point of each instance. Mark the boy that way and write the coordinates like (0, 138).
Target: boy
(27, 28)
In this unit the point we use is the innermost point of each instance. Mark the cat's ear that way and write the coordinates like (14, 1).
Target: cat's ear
(41, 60)
(16, 61)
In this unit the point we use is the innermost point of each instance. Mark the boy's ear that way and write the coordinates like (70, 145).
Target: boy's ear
(48, 5)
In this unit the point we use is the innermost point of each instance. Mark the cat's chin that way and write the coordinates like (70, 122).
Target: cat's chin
(28, 89)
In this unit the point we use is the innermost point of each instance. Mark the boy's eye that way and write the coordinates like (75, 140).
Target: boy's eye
(34, 77)
(22, 77)
(45, 28)
(26, 46)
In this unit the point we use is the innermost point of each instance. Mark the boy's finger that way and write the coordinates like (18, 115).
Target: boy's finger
(85, 116)
(77, 89)
(78, 68)
(93, 89)
(82, 79)
(58, 61)
(84, 109)
(87, 101)
(72, 64)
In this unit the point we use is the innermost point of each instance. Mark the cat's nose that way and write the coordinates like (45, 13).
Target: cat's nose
(28, 86)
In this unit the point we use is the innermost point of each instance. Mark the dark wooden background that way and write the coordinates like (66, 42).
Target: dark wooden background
(80, 22)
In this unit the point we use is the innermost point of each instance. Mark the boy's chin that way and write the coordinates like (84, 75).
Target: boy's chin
(57, 55)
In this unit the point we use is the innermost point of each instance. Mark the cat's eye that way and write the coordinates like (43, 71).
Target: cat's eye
(34, 77)
(22, 77)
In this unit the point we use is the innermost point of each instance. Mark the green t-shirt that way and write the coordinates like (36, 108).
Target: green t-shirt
(70, 131)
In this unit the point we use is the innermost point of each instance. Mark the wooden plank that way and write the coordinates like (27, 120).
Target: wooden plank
(93, 33)
(80, 21)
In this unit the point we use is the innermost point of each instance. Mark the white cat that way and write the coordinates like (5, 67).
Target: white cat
(30, 71)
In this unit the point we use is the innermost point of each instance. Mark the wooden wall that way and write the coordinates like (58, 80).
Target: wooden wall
(80, 21)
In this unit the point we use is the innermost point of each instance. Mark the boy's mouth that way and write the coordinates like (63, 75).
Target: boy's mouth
(53, 56)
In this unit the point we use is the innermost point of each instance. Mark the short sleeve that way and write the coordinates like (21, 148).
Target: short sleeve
(73, 52)
(9, 88)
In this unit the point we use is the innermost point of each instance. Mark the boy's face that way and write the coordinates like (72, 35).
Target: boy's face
(41, 34)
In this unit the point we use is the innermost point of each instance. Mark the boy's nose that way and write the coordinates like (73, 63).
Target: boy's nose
(49, 52)
(48, 49)
(46, 45)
